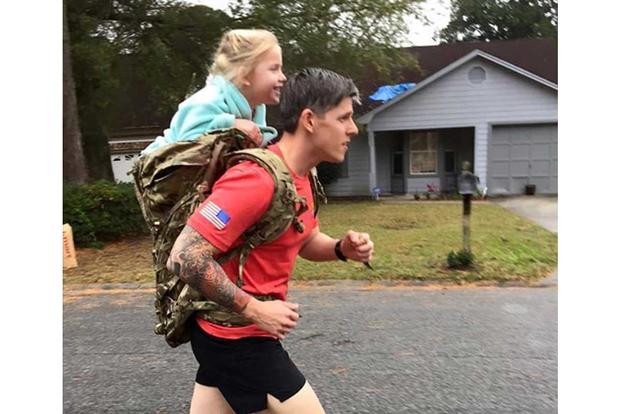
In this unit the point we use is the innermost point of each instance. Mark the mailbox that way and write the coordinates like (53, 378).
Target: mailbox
(467, 186)
(467, 182)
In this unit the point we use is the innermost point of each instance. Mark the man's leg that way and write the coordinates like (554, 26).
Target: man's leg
(304, 401)
(208, 400)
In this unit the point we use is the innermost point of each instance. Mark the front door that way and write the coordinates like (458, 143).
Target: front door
(397, 185)
(449, 182)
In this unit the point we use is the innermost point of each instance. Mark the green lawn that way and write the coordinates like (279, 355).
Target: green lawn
(412, 242)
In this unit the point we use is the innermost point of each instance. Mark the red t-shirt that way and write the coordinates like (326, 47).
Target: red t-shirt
(238, 200)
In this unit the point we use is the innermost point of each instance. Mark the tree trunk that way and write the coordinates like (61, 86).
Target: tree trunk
(74, 164)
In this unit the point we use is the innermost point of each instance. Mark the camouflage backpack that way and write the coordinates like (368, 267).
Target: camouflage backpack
(171, 182)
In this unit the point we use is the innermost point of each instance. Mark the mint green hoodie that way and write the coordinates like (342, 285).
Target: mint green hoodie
(216, 106)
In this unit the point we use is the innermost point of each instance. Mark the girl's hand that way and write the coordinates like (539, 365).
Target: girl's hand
(249, 128)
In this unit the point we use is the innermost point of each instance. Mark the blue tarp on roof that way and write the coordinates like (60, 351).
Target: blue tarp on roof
(387, 92)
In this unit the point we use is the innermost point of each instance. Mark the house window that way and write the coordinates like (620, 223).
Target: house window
(449, 161)
(397, 163)
(423, 152)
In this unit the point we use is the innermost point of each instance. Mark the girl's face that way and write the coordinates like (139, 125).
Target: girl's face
(263, 84)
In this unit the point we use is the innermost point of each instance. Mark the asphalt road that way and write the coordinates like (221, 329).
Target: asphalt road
(363, 349)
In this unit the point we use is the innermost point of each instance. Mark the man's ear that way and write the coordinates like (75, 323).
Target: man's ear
(307, 120)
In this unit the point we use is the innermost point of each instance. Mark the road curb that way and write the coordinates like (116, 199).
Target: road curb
(549, 281)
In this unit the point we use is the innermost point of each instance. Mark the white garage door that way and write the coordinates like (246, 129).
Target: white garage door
(521, 155)
(122, 165)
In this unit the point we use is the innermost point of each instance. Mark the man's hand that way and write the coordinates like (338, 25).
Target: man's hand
(275, 316)
(357, 246)
(249, 128)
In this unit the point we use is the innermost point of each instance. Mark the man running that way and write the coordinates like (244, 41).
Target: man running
(245, 369)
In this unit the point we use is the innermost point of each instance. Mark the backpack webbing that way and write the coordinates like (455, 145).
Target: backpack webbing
(171, 182)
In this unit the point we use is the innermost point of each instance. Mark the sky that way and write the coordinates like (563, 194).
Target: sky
(437, 11)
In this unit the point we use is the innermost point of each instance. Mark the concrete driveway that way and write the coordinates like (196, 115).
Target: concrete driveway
(541, 210)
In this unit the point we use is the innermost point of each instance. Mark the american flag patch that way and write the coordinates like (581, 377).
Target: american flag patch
(215, 215)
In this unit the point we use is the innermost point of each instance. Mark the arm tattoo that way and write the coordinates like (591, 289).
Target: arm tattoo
(192, 260)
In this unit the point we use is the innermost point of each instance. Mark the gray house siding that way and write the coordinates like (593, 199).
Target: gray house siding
(482, 132)
(454, 101)
(357, 181)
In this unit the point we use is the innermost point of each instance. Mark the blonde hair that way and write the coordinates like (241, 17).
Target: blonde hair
(239, 52)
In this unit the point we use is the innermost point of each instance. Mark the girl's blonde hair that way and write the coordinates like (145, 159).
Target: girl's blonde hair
(239, 52)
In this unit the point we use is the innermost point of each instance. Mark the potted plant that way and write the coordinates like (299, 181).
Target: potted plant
(530, 189)
(431, 191)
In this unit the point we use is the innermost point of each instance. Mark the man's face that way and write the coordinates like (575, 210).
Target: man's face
(334, 131)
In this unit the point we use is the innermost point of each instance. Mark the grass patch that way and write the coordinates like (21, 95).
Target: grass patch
(412, 242)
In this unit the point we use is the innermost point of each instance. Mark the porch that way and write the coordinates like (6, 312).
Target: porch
(418, 161)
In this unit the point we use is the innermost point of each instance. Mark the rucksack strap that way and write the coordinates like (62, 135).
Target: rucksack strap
(214, 313)
(172, 181)
(285, 208)
(319, 195)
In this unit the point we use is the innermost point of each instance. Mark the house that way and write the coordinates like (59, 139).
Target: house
(125, 146)
(492, 104)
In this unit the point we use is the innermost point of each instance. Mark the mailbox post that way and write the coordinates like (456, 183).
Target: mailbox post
(467, 185)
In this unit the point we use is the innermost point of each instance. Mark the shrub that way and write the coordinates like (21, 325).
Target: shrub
(102, 211)
(463, 258)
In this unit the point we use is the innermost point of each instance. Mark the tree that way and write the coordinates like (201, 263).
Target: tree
(358, 38)
(92, 57)
(501, 20)
(347, 36)
(74, 165)
(133, 62)
(163, 60)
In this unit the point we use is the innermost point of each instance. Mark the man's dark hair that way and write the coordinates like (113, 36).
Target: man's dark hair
(317, 89)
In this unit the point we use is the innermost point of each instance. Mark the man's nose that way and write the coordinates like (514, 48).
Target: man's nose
(353, 129)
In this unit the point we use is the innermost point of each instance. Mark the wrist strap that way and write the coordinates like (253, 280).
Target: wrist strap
(339, 252)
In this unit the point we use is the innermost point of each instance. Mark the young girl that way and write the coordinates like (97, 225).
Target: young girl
(246, 74)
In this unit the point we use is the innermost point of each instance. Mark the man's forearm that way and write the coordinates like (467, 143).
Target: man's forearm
(192, 260)
(320, 248)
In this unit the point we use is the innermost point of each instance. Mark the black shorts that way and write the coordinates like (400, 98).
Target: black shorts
(245, 370)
